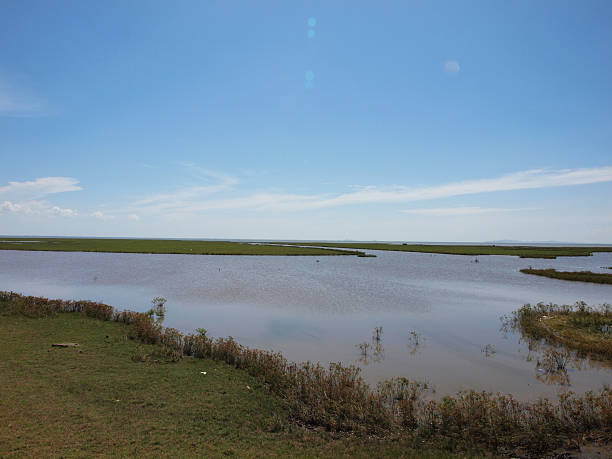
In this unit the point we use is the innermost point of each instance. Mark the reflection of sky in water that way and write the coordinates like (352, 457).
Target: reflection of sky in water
(322, 310)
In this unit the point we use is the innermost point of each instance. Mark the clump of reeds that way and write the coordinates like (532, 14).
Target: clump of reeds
(337, 398)
(488, 350)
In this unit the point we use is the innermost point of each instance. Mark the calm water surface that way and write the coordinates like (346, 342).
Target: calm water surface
(321, 308)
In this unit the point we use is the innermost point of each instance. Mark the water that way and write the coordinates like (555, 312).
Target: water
(322, 308)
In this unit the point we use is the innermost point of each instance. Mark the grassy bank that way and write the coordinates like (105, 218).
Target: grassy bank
(95, 401)
(161, 246)
(137, 388)
(580, 276)
(519, 251)
(579, 327)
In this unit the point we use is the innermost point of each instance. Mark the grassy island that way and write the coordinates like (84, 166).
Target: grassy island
(134, 388)
(519, 251)
(579, 327)
(161, 246)
(580, 276)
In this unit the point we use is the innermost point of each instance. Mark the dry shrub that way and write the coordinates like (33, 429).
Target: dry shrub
(98, 310)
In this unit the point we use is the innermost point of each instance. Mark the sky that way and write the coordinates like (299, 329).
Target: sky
(396, 120)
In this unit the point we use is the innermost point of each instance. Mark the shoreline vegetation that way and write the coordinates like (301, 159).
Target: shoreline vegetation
(578, 276)
(549, 252)
(163, 246)
(330, 406)
(580, 327)
(191, 247)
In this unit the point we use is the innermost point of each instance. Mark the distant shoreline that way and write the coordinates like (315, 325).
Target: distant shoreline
(164, 246)
(288, 248)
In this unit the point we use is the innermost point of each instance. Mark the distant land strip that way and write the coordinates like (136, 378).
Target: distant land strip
(163, 246)
(518, 250)
(580, 276)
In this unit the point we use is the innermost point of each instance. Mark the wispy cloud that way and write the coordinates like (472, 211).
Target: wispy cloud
(14, 102)
(40, 187)
(64, 212)
(36, 208)
(101, 215)
(454, 211)
(197, 199)
(214, 182)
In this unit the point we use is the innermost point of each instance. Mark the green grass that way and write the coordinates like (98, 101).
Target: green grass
(94, 400)
(579, 276)
(520, 251)
(160, 246)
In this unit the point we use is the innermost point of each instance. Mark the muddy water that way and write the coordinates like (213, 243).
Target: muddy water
(440, 314)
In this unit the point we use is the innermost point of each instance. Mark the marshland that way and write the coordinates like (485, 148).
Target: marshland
(419, 317)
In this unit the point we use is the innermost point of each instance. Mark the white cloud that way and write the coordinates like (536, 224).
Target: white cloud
(452, 211)
(194, 199)
(63, 211)
(8, 206)
(101, 215)
(40, 187)
(36, 208)
(220, 182)
(531, 179)
(134, 217)
(451, 67)
(25, 197)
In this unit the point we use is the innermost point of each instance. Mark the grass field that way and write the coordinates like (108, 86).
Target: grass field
(95, 401)
(114, 395)
(520, 251)
(580, 276)
(161, 246)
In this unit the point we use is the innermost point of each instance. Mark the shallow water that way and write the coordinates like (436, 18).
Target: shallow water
(321, 308)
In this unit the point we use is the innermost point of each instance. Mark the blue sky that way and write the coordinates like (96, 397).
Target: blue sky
(434, 121)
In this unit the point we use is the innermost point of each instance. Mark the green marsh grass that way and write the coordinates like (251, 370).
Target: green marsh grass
(579, 327)
(579, 276)
(473, 250)
(337, 400)
(160, 246)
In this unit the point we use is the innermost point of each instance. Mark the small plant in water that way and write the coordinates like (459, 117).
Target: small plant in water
(554, 360)
(415, 338)
(376, 335)
(363, 347)
(488, 350)
(414, 341)
(158, 310)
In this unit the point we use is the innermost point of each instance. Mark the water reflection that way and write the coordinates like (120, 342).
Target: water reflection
(488, 350)
(554, 363)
